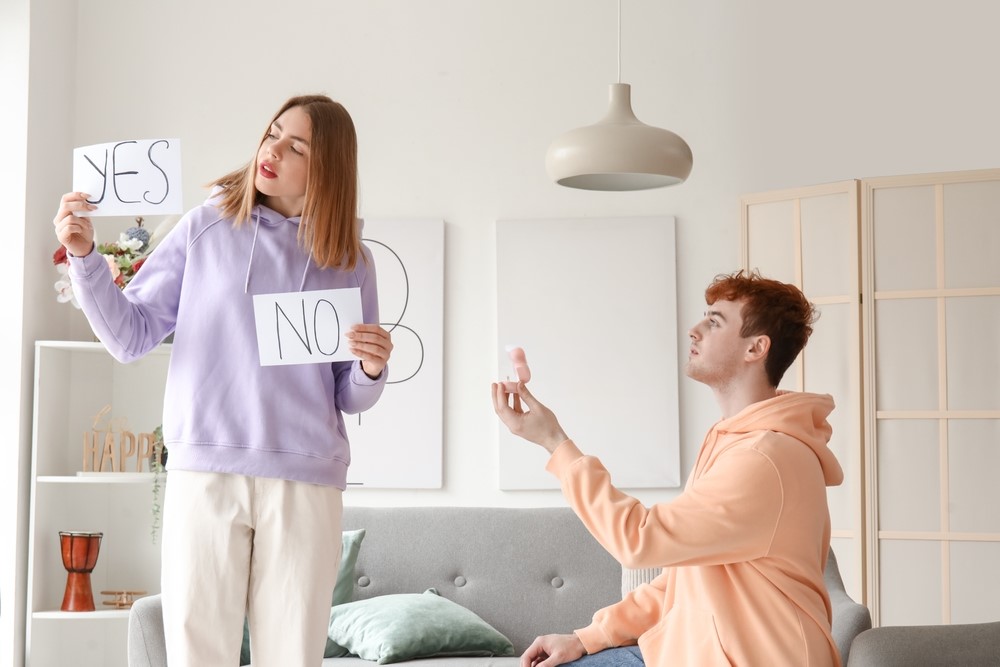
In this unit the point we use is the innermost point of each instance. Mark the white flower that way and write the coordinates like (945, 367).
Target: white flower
(129, 244)
(64, 290)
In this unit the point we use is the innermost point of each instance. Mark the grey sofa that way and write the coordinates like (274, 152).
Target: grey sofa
(965, 644)
(526, 572)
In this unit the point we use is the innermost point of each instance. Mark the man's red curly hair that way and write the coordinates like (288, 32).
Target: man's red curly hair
(771, 308)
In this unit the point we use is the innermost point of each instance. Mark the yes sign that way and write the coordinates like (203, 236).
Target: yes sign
(134, 177)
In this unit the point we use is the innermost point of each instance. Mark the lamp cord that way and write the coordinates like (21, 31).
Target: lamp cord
(619, 41)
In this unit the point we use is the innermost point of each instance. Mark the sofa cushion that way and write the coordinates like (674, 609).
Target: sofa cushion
(406, 626)
(342, 592)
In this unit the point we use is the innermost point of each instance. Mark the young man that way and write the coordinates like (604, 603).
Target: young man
(743, 548)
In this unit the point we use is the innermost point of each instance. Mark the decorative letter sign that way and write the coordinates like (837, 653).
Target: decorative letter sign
(101, 451)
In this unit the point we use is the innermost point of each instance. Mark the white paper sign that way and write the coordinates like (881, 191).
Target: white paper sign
(306, 327)
(135, 177)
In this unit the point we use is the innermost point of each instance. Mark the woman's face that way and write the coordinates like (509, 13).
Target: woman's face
(283, 162)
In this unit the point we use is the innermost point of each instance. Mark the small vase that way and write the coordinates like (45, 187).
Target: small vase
(79, 556)
(162, 450)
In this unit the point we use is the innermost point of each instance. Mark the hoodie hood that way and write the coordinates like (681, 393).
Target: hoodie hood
(799, 415)
(269, 218)
(262, 216)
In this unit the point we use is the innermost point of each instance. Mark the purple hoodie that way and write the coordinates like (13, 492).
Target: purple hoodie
(223, 411)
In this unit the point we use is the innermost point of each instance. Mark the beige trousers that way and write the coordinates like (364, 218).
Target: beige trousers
(233, 546)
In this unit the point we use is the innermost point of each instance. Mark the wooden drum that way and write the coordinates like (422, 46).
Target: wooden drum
(79, 556)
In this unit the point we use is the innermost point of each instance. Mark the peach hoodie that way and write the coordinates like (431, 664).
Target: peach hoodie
(743, 547)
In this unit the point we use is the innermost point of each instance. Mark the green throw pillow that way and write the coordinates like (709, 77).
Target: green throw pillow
(406, 626)
(342, 592)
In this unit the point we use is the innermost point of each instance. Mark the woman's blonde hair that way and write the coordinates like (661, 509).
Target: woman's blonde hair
(329, 226)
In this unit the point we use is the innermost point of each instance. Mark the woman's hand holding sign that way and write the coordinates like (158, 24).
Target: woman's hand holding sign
(73, 228)
(372, 345)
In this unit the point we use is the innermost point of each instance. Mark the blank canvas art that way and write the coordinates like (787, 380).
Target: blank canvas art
(593, 303)
(398, 443)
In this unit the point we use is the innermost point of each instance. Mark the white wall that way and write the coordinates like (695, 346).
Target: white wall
(456, 101)
(37, 45)
(13, 484)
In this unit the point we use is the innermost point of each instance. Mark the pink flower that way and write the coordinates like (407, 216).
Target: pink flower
(113, 265)
(59, 256)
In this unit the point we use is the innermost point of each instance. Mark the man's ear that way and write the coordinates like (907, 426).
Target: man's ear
(759, 347)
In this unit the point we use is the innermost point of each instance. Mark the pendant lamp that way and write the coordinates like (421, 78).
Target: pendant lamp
(619, 152)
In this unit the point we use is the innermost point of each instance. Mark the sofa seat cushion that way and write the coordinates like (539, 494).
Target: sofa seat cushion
(496, 661)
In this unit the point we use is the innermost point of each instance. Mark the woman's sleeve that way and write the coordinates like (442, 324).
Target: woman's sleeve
(132, 322)
(356, 392)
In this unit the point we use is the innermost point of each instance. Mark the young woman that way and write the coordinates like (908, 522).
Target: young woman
(258, 454)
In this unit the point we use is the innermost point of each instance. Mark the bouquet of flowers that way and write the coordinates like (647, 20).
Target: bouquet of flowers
(124, 257)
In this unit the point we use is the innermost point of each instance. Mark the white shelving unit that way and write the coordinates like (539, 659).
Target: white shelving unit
(73, 383)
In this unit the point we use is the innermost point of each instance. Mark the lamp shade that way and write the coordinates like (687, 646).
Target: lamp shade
(619, 152)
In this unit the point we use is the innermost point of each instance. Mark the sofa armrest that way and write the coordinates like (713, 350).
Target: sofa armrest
(146, 645)
(850, 618)
(969, 645)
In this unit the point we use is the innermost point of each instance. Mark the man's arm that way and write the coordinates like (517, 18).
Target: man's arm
(727, 515)
(620, 624)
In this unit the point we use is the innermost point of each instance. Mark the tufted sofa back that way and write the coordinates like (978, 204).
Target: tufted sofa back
(525, 571)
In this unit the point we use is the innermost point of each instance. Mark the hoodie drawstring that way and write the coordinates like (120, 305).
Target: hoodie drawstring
(253, 245)
(305, 270)
(256, 228)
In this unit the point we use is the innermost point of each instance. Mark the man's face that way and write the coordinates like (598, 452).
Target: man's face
(717, 350)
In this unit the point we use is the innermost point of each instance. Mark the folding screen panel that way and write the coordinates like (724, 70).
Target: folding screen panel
(809, 237)
(932, 244)
(915, 526)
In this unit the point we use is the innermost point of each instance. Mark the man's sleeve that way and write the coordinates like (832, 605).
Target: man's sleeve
(727, 515)
(622, 623)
